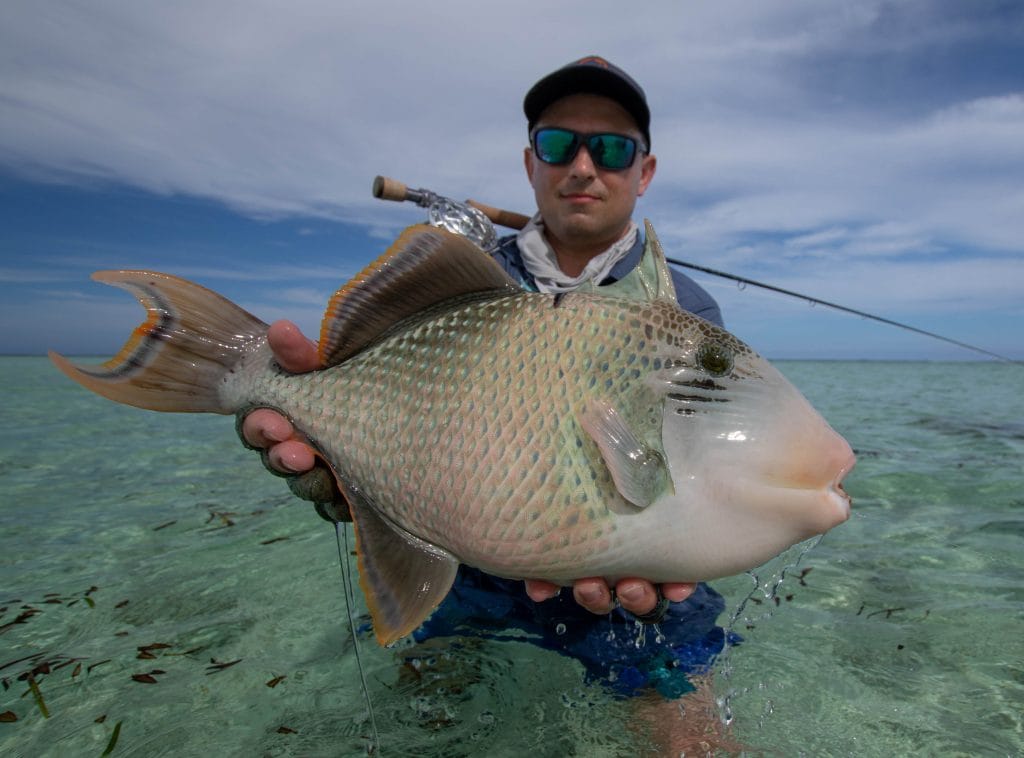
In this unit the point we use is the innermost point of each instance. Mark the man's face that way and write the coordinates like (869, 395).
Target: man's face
(584, 206)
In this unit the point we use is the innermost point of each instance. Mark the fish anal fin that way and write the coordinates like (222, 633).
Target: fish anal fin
(403, 577)
(424, 267)
(638, 470)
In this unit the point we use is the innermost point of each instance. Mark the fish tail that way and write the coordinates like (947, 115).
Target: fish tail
(180, 357)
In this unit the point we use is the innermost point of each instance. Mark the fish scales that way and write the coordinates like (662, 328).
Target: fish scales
(463, 428)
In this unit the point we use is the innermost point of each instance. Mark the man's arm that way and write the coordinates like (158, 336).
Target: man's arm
(288, 453)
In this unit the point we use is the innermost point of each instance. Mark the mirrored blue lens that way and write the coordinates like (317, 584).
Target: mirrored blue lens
(555, 146)
(608, 151)
(613, 151)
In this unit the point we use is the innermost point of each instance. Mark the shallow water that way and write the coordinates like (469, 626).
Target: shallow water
(900, 633)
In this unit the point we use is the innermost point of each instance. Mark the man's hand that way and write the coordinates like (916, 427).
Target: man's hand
(638, 596)
(269, 429)
(289, 454)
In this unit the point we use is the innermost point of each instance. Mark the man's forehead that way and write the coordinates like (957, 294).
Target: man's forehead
(588, 108)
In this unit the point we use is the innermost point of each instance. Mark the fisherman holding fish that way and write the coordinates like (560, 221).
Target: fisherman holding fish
(549, 410)
(589, 160)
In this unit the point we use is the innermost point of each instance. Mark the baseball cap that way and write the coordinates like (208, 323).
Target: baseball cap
(590, 75)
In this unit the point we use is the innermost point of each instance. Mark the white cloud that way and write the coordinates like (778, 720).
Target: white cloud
(792, 135)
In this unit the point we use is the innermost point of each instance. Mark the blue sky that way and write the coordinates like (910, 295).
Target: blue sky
(869, 153)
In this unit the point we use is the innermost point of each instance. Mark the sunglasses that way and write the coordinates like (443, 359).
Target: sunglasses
(613, 152)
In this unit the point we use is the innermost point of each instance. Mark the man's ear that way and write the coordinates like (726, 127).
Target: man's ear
(648, 166)
(528, 163)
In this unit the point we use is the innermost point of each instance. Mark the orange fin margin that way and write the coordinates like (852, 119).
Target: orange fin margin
(425, 267)
(176, 359)
(403, 577)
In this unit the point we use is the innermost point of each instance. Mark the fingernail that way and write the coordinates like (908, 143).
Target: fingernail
(275, 435)
(282, 463)
(590, 595)
(630, 592)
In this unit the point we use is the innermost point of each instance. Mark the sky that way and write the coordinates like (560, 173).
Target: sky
(867, 153)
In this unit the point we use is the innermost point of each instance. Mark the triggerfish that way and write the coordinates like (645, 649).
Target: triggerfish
(530, 435)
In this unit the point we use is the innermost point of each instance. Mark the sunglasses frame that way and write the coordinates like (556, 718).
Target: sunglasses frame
(581, 139)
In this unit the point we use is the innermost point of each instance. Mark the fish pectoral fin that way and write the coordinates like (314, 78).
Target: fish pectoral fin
(638, 470)
(403, 577)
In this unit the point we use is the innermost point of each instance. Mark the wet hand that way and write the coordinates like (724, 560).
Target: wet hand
(264, 428)
(292, 349)
(637, 596)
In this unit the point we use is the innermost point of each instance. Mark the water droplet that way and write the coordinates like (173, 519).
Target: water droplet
(641, 634)
(560, 629)
(486, 718)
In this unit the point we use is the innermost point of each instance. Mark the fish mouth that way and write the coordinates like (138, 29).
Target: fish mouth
(836, 490)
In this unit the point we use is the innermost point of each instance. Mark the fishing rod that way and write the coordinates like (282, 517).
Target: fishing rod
(817, 301)
(474, 220)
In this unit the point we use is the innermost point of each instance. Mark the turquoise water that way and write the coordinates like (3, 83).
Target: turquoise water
(123, 531)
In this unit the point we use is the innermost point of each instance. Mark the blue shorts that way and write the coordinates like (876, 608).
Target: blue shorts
(480, 605)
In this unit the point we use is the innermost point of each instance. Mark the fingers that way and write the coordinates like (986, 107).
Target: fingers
(538, 590)
(265, 428)
(637, 596)
(593, 594)
(291, 457)
(678, 592)
(292, 349)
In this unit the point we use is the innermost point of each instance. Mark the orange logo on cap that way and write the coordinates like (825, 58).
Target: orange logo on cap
(594, 60)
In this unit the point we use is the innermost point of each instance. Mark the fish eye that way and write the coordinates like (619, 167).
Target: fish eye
(715, 358)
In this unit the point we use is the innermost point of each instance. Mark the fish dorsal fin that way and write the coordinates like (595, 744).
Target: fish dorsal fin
(663, 286)
(403, 577)
(424, 267)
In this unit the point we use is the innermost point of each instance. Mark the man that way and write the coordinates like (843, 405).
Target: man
(589, 159)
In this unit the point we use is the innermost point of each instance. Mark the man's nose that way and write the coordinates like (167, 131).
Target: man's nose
(582, 164)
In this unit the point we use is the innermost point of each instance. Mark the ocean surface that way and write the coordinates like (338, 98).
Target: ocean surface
(160, 594)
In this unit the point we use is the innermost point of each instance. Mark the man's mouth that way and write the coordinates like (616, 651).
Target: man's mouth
(579, 197)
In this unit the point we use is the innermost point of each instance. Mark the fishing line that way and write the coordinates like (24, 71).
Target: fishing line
(340, 533)
(461, 218)
(743, 282)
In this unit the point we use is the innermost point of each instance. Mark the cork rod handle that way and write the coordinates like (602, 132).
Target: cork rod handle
(389, 189)
(386, 188)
